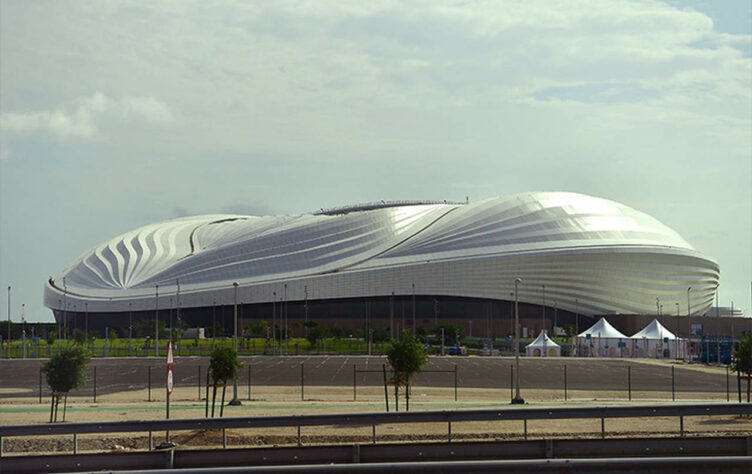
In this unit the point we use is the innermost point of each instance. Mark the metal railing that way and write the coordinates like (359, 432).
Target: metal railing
(374, 419)
(705, 453)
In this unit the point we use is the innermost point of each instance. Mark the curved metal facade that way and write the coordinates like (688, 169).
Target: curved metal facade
(586, 254)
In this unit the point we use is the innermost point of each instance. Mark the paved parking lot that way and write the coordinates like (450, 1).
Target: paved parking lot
(124, 374)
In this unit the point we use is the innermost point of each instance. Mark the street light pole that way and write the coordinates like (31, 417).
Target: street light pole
(130, 327)
(543, 316)
(156, 320)
(9, 322)
(65, 309)
(677, 329)
(23, 328)
(413, 309)
(689, 315)
(177, 307)
(553, 329)
(391, 316)
(235, 400)
(717, 309)
(517, 398)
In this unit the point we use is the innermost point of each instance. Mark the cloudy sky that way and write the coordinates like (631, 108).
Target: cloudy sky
(118, 114)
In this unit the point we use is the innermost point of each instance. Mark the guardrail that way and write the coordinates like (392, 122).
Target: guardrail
(292, 459)
(373, 419)
(611, 465)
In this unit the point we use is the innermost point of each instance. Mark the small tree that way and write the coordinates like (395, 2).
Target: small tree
(65, 371)
(51, 336)
(338, 332)
(315, 334)
(742, 362)
(79, 336)
(224, 365)
(406, 357)
(261, 328)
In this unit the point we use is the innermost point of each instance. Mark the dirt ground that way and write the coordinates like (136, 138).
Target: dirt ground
(24, 408)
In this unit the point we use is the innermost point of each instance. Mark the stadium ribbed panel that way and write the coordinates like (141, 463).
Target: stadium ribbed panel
(580, 253)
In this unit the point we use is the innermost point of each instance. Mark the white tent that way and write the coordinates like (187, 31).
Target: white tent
(657, 342)
(543, 346)
(602, 340)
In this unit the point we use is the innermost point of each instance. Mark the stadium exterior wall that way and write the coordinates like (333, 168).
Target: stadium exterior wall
(606, 268)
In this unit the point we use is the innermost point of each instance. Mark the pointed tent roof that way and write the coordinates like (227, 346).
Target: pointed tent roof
(603, 329)
(654, 330)
(542, 341)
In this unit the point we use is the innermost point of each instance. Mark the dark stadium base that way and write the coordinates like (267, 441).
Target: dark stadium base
(475, 317)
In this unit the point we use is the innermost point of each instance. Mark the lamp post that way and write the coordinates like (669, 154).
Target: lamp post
(717, 309)
(169, 337)
(435, 312)
(9, 321)
(284, 309)
(517, 398)
(23, 328)
(65, 309)
(130, 327)
(689, 314)
(177, 306)
(543, 315)
(553, 329)
(732, 322)
(391, 316)
(413, 309)
(511, 313)
(59, 326)
(235, 400)
(274, 322)
(156, 320)
(677, 328)
(214, 323)
(86, 321)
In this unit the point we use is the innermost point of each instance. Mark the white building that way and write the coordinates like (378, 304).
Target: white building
(583, 254)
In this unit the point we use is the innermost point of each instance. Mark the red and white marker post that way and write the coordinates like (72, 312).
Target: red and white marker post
(170, 362)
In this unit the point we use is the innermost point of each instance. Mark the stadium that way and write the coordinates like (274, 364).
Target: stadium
(392, 265)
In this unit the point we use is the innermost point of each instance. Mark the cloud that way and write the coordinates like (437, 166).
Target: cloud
(265, 107)
(86, 119)
(5, 152)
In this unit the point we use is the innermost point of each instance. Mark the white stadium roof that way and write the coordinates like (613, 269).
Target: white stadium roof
(594, 256)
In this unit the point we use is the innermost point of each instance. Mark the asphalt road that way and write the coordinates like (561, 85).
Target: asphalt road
(122, 374)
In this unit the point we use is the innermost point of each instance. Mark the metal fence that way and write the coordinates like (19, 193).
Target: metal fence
(562, 381)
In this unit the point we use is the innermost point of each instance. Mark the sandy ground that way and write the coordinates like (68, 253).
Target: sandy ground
(22, 406)
(266, 401)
